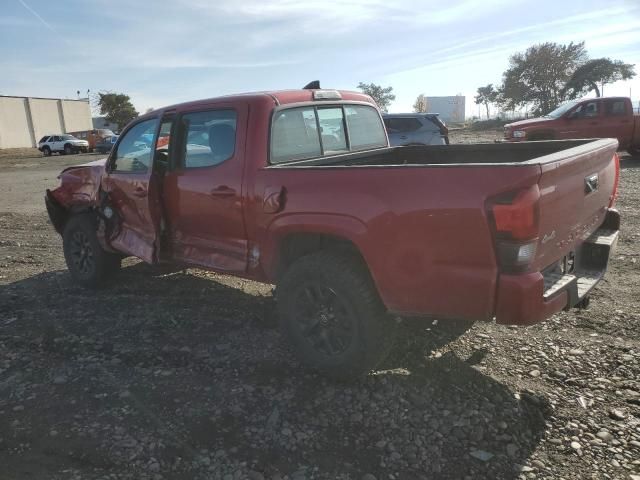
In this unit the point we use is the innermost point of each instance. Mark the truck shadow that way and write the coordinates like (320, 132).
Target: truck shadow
(191, 367)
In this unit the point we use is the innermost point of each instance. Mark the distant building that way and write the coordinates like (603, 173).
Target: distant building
(25, 120)
(451, 109)
(101, 122)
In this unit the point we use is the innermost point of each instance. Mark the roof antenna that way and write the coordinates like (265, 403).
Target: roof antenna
(315, 85)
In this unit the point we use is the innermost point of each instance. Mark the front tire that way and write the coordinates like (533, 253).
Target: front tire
(88, 263)
(68, 150)
(331, 313)
(634, 152)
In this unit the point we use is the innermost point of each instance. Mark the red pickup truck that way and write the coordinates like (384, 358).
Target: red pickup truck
(604, 117)
(300, 189)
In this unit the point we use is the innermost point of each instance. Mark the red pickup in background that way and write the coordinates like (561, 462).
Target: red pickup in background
(604, 117)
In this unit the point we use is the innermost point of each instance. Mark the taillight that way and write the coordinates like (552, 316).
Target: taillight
(516, 214)
(515, 217)
(616, 180)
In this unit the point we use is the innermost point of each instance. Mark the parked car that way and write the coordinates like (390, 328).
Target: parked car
(604, 117)
(351, 231)
(95, 136)
(415, 129)
(63, 144)
(106, 144)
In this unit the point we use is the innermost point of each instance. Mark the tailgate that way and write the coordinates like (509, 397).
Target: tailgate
(576, 187)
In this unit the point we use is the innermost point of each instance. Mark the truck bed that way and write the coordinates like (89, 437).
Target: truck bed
(526, 153)
(421, 214)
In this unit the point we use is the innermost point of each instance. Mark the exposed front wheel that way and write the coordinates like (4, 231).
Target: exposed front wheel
(88, 264)
(68, 150)
(331, 313)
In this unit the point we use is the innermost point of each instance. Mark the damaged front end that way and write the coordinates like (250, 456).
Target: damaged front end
(80, 191)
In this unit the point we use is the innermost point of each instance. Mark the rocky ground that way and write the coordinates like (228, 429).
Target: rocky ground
(183, 374)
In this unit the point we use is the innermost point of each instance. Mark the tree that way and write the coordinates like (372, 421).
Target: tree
(538, 75)
(486, 96)
(597, 71)
(421, 104)
(117, 108)
(381, 95)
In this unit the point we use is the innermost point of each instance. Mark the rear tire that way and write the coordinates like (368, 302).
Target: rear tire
(331, 313)
(634, 152)
(88, 263)
(46, 151)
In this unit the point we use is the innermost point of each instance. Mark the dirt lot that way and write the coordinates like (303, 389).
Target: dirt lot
(183, 374)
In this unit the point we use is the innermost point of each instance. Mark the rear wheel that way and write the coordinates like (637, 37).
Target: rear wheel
(634, 151)
(46, 151)
(88, 263)
(331, 313)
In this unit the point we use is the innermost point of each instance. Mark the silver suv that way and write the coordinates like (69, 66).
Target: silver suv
(415, 129)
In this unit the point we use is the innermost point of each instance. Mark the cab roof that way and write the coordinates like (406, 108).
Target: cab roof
(278, 97)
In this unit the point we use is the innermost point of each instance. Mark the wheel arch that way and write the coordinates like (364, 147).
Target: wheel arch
(295, 236)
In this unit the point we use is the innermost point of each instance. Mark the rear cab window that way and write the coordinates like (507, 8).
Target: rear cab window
(313, 131)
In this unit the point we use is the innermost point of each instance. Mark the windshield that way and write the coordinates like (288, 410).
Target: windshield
(561, 110)
(68, 137)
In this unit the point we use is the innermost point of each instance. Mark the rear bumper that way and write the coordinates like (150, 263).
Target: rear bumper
(530, 298)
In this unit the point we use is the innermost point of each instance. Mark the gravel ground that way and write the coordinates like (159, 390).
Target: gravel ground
(182, 374)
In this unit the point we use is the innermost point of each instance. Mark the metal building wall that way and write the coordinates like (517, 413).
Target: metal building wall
(15, 131)
(77, 115)
(46, 118)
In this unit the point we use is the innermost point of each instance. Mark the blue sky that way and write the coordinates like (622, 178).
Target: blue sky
(164, 52)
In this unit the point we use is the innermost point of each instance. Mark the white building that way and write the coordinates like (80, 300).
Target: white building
(24, 120)
(451, 109)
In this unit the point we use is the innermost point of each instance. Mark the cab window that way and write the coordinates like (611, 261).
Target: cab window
(134, 152)
(208, 138)
(586, 110)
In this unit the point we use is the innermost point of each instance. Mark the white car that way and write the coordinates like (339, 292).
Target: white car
(63, 144)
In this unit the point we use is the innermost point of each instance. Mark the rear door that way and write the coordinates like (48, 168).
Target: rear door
(617, 121)
(576, 186)
(132, 186)
(202, 192)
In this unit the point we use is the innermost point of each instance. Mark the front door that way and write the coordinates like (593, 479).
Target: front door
(132, 188)
(202, 191)
(584, 121)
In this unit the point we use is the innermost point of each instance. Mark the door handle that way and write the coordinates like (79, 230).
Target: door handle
(222, 191)
(140, 192)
